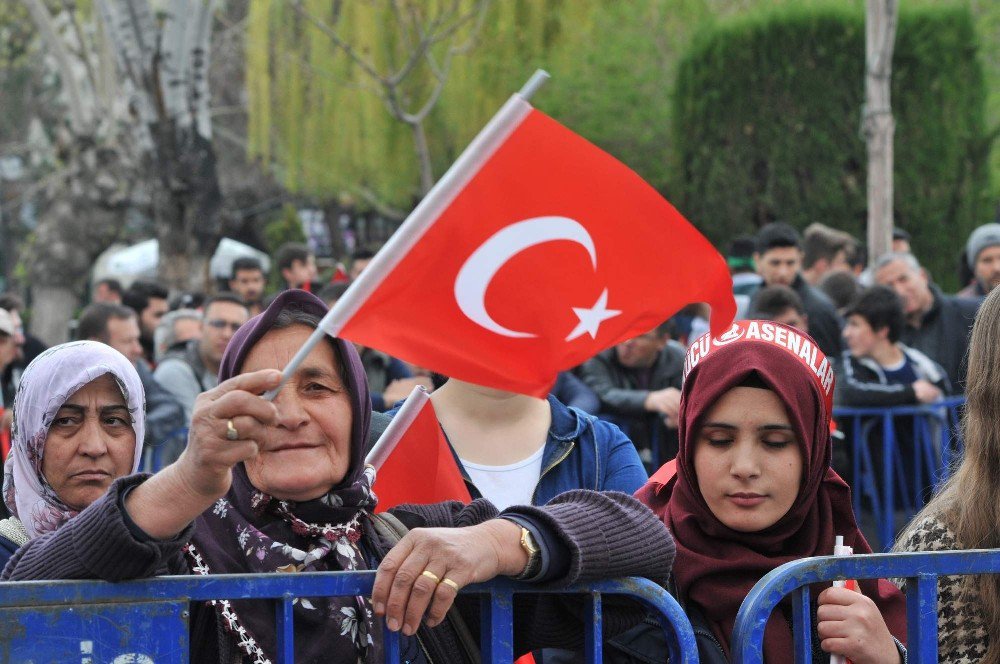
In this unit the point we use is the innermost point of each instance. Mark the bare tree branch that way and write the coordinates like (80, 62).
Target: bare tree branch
(79, 114)
(344, 46)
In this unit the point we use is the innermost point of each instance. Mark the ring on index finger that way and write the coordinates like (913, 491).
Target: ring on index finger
(231, 432)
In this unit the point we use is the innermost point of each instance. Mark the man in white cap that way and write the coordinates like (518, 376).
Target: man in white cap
(983, 253)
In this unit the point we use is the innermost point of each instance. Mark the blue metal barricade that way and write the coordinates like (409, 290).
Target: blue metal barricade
(147, 621)
(921, 571)
(935, 442)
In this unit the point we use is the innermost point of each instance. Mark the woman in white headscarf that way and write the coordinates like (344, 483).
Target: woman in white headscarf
(78, 425)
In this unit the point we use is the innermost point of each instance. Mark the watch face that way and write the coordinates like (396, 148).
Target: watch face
(528, 541)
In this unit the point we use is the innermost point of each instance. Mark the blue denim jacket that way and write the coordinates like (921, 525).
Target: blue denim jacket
(581, 452)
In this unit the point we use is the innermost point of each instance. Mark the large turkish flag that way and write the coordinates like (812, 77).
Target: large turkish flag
(547, 251)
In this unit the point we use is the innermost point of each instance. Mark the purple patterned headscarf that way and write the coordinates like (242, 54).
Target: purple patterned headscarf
(250, 531)
(47, 383)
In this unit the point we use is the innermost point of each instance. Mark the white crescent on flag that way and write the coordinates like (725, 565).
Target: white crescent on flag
(482, 265)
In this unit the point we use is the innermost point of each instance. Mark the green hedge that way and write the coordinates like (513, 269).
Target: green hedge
(767, 127)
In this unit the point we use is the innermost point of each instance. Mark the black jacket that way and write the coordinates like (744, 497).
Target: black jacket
(623, 399)
(861, 382)
(943, 334)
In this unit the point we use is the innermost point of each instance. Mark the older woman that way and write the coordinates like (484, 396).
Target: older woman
(78, 425)
(283, 487)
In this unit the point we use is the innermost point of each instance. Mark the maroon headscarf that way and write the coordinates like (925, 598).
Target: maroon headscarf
(716, 566)
(250, 531)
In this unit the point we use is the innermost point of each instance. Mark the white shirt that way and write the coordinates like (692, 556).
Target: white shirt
(507, 485)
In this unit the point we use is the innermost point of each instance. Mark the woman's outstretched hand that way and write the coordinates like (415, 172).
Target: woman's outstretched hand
(204, 471)
(207, 461)
(850, 624)
(421, 576)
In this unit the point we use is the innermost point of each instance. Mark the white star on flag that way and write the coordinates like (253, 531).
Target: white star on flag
(591, 319)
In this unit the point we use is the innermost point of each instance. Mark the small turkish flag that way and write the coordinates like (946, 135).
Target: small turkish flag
(413, 461)
(535, 252)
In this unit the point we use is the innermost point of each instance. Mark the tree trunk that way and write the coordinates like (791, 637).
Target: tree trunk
(186, 207)
(51, 311)
(879, 125)
(81, 216)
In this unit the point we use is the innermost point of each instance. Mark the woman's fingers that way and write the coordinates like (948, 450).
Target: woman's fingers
(254, 382)
(421, 593)
(399, 572)
(444, 596)
(850, 624)
(422, 575)
(233, 404)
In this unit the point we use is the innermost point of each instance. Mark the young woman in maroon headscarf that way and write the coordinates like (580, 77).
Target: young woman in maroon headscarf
(753, 489)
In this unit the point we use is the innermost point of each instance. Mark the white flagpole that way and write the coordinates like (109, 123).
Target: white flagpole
(482, 147)
(397, 427)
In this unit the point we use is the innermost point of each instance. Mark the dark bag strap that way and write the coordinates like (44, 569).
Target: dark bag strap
(391, 530)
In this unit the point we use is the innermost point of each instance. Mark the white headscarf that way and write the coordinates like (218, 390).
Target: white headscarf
(46, 384)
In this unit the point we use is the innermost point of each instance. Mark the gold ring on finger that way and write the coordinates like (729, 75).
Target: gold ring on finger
(431, 575)
(231, 432)
(451, 584)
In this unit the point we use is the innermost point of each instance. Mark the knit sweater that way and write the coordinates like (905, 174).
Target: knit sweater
(962, 635)
(603, 533)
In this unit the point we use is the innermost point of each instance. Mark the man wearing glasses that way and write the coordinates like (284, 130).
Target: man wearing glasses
(195, 368)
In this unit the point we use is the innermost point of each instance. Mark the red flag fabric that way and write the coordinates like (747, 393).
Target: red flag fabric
(421, 467)
(339, 275)
(551, 252)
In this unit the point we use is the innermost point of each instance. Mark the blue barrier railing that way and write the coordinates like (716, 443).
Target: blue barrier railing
(921, 571)
(935, 442)
(147, 621)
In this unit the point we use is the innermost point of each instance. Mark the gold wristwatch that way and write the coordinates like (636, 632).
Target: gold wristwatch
(534, 555)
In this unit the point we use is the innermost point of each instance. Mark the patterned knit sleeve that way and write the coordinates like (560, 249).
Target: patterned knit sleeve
(962, 636)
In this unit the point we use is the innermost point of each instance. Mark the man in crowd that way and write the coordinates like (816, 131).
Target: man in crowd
(27, 347)
(107, 290)
(195, 368)
(779, 262)
(780, 304)
(117, 326)
(149, 302)
(841, 288)
(248, 281)
(176, 328)
(982, 252)
(878, 370)
(297, 266)
(936, 324)
(825, 250)
(638, 382)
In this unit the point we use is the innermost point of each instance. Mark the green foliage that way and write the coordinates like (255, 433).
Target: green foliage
(767, 126)
(612, 64)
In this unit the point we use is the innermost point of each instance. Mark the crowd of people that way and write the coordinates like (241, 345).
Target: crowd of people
(561, 487)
